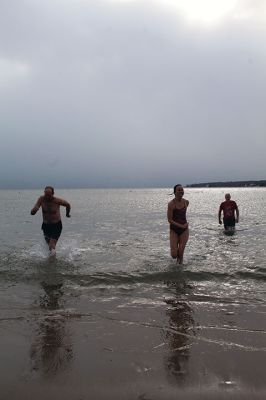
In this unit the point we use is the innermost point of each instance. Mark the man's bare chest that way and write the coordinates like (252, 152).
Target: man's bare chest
(50, 208)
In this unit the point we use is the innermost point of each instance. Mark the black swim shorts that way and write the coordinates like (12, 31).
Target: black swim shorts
(229, 222)
(177, 229)
(52, 231)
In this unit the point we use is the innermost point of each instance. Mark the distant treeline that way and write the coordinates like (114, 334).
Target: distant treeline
(229, 184)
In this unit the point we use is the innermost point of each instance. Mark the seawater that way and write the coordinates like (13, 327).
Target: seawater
(113, 264)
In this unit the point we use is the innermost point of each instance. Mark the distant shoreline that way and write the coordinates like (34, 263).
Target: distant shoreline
(261, 183)
(236, 184)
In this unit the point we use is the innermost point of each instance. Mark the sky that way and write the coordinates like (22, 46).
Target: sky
(131, 93)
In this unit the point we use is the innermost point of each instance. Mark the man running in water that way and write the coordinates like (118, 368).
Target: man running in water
(230, 213)
(179, 232)
(52, 225)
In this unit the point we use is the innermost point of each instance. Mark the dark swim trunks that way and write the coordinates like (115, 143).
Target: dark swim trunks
(177, 229)
(52, 231)
(229, 222)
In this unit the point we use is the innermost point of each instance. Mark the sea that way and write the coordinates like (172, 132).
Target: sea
(112, 316)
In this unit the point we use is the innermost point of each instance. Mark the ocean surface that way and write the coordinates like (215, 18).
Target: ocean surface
(113, 316)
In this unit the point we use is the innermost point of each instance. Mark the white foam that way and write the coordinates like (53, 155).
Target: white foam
(70, 249)
(39, 250)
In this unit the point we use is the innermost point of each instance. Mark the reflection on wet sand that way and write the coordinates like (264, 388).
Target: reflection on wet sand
(182, 323)
(51, 353)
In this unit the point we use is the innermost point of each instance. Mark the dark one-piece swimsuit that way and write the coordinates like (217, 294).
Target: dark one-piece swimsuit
(179, 216)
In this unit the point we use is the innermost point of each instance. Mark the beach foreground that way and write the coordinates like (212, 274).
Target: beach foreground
(133, 351)
(113, 317)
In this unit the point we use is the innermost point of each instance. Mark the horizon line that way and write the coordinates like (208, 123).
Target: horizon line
(188, 185)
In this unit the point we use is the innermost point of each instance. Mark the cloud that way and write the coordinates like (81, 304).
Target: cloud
(112, 92)
(12, 72)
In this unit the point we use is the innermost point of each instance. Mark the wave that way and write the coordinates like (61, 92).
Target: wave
(86, 275)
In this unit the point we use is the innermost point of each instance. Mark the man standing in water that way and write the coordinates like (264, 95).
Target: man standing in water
(179, 232)
(52, 225)
(230, 213)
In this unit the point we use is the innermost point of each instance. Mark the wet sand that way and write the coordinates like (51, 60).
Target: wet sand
(116, 352)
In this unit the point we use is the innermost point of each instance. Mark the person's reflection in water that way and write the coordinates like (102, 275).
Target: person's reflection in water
(181, 325)
(52, 351)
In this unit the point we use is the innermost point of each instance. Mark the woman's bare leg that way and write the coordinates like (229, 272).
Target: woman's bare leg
(182, 244)
(174, 239)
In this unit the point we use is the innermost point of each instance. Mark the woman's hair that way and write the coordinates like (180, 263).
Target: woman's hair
(178, 185)
(50, 187)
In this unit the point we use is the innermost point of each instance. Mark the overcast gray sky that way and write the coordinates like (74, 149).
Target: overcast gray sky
(131, 92)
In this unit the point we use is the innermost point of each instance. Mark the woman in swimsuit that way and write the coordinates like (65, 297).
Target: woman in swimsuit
(179, 232)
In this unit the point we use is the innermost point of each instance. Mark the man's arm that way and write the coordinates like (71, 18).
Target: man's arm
(37, 206)
(219, 215)
(64, 203)
(237, 214)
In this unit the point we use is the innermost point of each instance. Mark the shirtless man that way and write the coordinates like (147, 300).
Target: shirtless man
(230, 213)
(179, 232)
(52, 225)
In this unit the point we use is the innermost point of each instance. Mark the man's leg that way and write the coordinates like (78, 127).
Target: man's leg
(229, 225)
(46, 233)
(225, 224)
(52, 244)
(56, 232)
